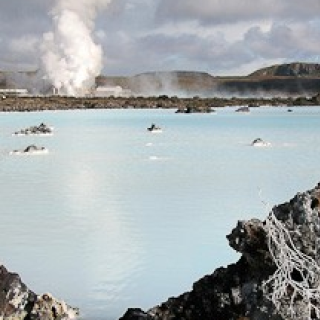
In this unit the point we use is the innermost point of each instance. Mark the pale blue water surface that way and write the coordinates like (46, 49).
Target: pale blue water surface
(116, 217)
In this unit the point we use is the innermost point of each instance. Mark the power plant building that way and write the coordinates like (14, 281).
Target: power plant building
(14, 92)
(115, 91)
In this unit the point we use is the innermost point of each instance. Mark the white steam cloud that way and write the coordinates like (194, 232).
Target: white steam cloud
(70, 57)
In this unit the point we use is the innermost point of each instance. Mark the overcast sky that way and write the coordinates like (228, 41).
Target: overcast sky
(222, 37)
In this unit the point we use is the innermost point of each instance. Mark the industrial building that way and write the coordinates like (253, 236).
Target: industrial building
(115, 91)
(13, 92)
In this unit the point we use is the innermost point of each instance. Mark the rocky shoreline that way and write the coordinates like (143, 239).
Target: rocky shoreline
(18, 302)
(258, 286)
(181, 105)
(277, 276)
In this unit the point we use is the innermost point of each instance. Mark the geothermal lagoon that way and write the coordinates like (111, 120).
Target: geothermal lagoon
(114, 216)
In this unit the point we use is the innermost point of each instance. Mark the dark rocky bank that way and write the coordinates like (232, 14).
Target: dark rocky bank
(237, 292)
(180, 105)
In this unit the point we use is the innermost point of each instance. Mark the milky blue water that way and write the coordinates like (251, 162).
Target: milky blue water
(116, 217)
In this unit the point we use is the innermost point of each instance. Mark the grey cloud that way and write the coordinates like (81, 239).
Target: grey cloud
(215, 54)
(134, 42)
(130, 16)
(18, 17)
(231, 11)
(22, 24)
(162, 52)
(283, 41)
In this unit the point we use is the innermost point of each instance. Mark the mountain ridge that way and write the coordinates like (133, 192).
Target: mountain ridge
(291, 79)
(293, 69)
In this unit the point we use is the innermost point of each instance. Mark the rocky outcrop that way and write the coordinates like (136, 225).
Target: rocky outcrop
(41, 129)
(18, 302)
(154, 128)
(239, 291)
(195, 109)
(243, 109)
(31, 149)
(295, 69)
(260, 143)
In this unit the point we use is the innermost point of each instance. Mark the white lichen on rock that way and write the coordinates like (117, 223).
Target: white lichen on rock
(49, 308)
(294, 288)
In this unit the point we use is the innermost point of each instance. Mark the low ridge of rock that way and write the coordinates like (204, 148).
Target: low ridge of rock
(294, 69)
(237, 292)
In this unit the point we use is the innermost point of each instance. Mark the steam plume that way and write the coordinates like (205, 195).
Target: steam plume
(70, 57)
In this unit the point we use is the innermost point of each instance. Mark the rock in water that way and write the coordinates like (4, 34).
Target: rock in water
(238, 292)
(17, 302)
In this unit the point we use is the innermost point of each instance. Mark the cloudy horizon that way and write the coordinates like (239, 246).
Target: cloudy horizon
(219, 37)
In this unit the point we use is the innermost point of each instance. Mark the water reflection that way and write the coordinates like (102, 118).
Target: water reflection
(112, 249)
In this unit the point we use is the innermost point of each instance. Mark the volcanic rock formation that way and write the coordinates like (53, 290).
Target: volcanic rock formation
(277, 276)
(18, 302)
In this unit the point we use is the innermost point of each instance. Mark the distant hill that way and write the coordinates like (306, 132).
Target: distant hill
(164, 82)
(295, 69)
(291, 79)
(281, 80)
(18, 79)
